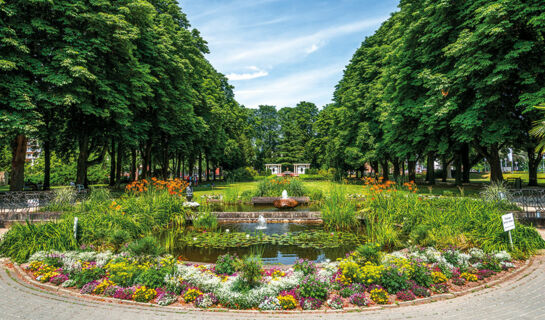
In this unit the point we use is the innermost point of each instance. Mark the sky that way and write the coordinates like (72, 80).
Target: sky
(281, 52)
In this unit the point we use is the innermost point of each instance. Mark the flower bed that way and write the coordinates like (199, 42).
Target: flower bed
(363, 278)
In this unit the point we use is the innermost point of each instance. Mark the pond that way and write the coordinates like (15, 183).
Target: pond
(220, 207)
(276, 251)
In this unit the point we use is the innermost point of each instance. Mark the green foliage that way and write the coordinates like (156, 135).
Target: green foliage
(64, 200)
(226, 264)
(338, 212)
(152, 278)
(314, 287)
(274, 187)
(241, 174)
(369, 252)
(399, 219)
(147, 246)
(205, 220)
(251, 267)
(393, 280)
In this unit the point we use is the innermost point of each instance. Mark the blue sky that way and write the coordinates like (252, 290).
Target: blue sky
(280, 52)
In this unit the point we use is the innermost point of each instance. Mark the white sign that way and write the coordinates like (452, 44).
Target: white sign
(508, 222)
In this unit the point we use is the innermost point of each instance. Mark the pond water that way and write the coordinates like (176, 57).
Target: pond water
(271, 253)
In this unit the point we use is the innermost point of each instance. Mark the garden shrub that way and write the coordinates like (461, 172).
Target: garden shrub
(87, 275)
(206, 220)
(310, 303)
(421, 275)
(368, 252)
(226, 264)
(306, 266)
(393, 280)
(250, 268)
(192, 294)
(240, 174)
(147, 246)
(274, 187)
(313, 287)
(152, 278)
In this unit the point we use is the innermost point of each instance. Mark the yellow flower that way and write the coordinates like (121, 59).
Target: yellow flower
(438, 277)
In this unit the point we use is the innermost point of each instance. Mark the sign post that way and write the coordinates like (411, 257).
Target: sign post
(508, 224)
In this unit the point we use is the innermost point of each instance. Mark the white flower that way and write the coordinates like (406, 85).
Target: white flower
(247, 236)
(227, 230)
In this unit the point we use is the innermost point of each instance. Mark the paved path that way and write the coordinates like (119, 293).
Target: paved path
(522, 297)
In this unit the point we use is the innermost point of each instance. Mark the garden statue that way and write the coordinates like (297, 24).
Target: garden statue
(189, 193)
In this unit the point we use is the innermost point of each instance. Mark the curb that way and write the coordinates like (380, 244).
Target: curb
(21, 274)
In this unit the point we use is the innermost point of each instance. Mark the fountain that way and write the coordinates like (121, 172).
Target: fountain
(285, 201)
(261, 223)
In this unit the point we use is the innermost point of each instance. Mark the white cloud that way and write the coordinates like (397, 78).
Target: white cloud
(283, 50)
(247, 76)
(312, 85)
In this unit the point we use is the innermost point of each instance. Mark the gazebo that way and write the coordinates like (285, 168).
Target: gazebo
(275, 168)
(300, 168)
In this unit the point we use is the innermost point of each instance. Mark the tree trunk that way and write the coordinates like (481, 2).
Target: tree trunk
(18, 153)
(411, 167)
(458, 165)
(493, 158)
(385, 170)
(200, 166)
(374, 166)
(466, 165)
(445, 164)
(47, 164)
(430, 169)
(534, 159)
(119, 167)
(133, 165)
(112, 164)
(81, 174)
(207, 170)
(396, 169)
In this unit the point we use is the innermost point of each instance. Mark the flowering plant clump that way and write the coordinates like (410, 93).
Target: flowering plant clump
(313, 287)
(335, 302)
(359, 299)
(458, 281)
(206, 300)
(417, 272)
(469, 276)
(420, 291)
(270, 303)
(439, 287)
(58, 279)
(287, 301)
(485, 273)
(174, 187)
(102, 285)
(89, 287)
(406, 295)
(274, 273)
(438, 277)
(144, 294)
(124, 293)
(310, 303)
(191, 294)
(305, 266)
(165, 298)
(379, 295)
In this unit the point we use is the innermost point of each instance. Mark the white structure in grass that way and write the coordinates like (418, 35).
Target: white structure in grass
(275, 168)
(300, 168)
